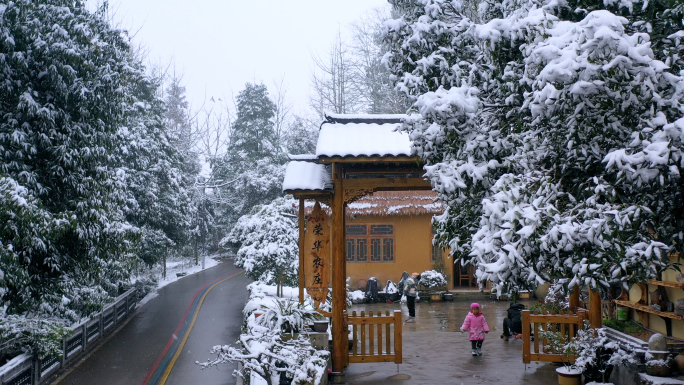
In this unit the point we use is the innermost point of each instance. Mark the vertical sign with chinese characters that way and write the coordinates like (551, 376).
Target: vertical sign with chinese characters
(317, 254)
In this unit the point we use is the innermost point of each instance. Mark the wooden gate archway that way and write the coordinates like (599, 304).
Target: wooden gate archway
(355, 156)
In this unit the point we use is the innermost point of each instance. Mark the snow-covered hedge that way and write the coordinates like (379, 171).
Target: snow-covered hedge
(432, 279)
(263, 349)
(21, 334)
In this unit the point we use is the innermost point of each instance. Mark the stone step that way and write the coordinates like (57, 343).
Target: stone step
(653, 380)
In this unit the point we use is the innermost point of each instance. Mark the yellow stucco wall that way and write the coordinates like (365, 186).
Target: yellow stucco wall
(412, 251)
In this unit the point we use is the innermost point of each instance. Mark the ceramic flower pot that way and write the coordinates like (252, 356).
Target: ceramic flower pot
(569, 376)
(320, 326)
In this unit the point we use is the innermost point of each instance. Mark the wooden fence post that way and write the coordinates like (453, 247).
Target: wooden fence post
(595, 321)
(526, 336)
(398, 356)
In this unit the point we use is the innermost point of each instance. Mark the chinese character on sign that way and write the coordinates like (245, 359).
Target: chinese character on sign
(316, 219)
(318, 262)
(317, 245)
(317, 279)
(317, 254)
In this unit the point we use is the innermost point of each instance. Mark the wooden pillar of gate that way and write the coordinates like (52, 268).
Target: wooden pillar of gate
(595, 319)
(302, 278)
(339, 275)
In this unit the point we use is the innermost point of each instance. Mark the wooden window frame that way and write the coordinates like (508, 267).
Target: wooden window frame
(362, 248)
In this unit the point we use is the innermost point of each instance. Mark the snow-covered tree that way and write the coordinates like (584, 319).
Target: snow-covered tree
(351, 78)
(335, 81)
(252, 170)
(184, 136)
(158, 172)
(552, 132)
(63, 74)
(269, 243)
(88, 175)
(253, 136)
(373, 79)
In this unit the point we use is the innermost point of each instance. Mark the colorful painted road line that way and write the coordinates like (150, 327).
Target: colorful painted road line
(162, 367)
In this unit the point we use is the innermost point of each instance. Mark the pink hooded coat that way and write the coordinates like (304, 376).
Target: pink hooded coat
(476, 326)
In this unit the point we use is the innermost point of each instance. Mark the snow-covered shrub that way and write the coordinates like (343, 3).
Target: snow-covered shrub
(267, 347)
(145, 285)
(594, 352)
(269, 243)
(432, 279)
(21, 334)
(286, 315)
(264, 352)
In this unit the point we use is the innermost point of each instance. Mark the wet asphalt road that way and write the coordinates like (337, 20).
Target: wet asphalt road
(130, 355)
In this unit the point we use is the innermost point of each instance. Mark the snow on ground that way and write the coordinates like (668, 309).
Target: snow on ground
(174, 267)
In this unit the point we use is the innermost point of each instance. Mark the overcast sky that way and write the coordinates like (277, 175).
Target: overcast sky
(219, 45)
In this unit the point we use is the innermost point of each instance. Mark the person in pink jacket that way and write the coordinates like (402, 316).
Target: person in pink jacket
(476, 326)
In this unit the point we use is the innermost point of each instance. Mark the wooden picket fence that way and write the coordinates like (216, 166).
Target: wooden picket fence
(608, 310)
(568, 324)
(367, 337)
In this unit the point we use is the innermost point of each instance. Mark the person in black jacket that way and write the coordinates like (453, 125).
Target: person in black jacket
(512, 325)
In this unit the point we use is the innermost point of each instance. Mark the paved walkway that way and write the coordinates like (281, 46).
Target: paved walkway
(435, 351)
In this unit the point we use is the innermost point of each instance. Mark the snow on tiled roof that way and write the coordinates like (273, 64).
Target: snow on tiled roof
(362, 136)
(309, 157)
(389, 203)
(307, 176)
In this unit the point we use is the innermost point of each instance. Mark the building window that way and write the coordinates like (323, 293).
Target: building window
(370, 241)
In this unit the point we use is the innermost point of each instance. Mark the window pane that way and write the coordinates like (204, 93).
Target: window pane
(356, 230)
(351, 250)
(362, 250)
(388, 246)
(382, 229)
(376, 249)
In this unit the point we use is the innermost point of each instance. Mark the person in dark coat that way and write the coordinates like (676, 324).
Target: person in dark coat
(411, 292)
(512, 324)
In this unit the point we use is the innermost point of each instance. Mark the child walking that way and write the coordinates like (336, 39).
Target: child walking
(476, 326)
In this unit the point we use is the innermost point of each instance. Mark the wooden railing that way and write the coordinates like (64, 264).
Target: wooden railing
(566, 323)
(367, 337)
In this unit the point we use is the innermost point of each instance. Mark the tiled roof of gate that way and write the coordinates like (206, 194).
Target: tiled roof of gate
(349, 136)
(307, 176)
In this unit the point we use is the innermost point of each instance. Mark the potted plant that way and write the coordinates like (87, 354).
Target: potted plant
(320, 324)
(597, 354)
(433, 280)
(591, 353)
(557, 343)
(286, 315)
